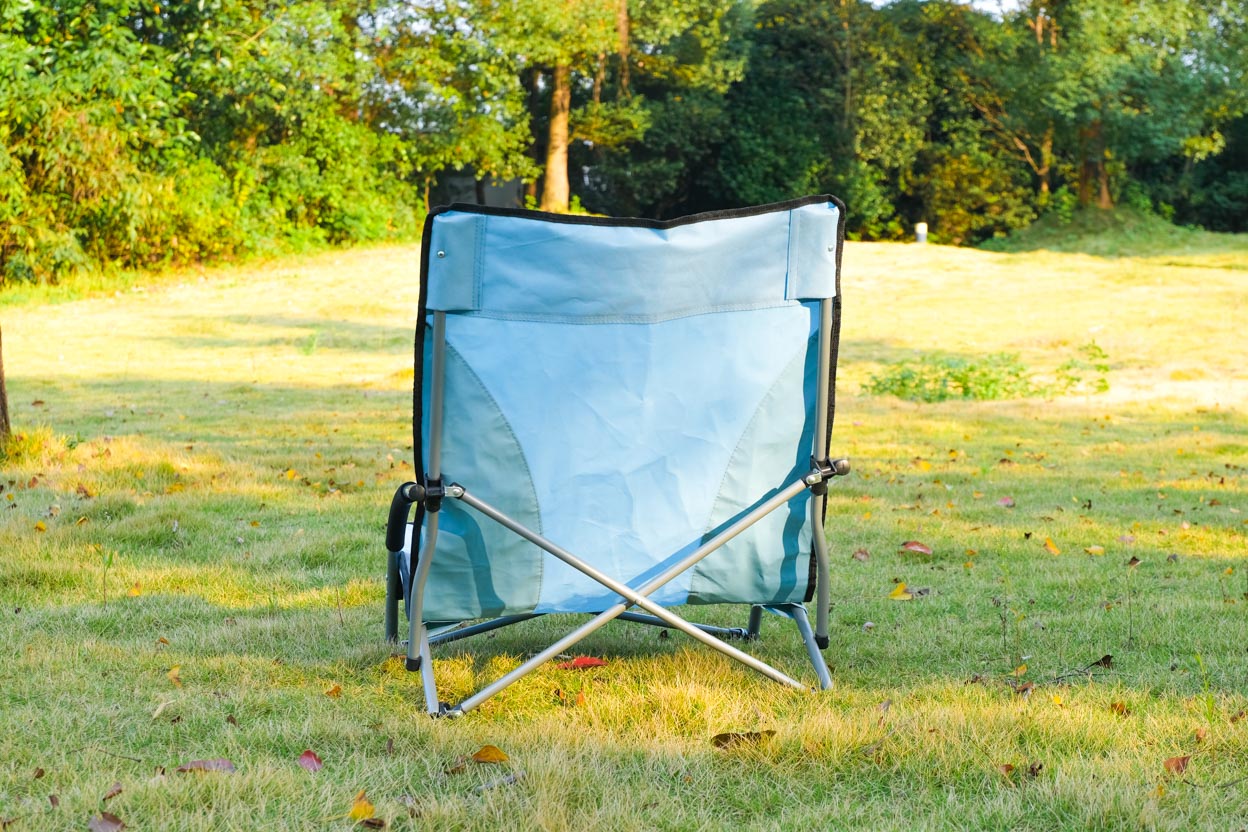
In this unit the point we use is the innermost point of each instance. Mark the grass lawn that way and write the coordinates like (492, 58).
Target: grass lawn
(191, 568)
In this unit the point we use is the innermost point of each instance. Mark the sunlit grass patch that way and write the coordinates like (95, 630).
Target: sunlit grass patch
(197, 491)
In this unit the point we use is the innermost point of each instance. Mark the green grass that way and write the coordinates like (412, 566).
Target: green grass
(231, 445)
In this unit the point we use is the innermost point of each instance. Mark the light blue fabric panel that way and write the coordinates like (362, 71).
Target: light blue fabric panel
(456, 250)
(519, 267)
(813, 242)
(627, 465)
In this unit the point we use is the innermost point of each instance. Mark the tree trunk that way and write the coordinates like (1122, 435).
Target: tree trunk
(555, 189)
(622, 33)
(1104, 200)
(6, 427)
(532, 84)
(480, 188)
(1046, 160)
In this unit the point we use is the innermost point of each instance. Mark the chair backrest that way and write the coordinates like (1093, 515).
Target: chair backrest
(626, 388)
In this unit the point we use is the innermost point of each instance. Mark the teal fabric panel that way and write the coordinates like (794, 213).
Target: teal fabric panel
(627, 431)
(480, 569)
(768, 564)
(813, 242)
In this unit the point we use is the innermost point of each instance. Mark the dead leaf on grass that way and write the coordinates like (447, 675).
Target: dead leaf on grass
(581, 663)
(1177, 765)
(1120, 708)
(105, 822)
(490, 754)
(1094, 550)
(310, 762)
(899, 593)
(174, 675)
(202, 766)
(916, 547)
(1006, 502)
(39, 773)
(735, 739)
(113, 791)
(861, 555)
(1051, 547)
(1134, 562)
(361, 808)
(334, 691)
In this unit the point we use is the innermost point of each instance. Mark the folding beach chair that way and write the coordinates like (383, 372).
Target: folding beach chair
(614, 414)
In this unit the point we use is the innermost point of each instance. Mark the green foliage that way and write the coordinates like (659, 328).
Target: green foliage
(939, 376)
(140, 135)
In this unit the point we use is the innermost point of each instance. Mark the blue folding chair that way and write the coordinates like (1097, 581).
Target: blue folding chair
(614, 414)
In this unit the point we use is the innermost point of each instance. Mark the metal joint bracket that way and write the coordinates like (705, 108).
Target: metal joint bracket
(430, 495)
(822, 470)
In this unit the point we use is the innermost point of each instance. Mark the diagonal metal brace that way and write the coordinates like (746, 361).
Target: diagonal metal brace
(631, 597)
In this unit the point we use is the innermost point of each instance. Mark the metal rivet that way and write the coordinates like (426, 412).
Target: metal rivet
(441, 253)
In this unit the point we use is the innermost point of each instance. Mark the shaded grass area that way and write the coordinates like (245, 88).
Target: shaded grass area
(212, 493)
(1125, 232)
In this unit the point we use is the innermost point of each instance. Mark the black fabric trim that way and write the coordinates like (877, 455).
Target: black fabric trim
(834, 347)
(641, 222)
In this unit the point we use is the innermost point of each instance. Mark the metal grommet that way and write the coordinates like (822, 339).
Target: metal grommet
(441, 253)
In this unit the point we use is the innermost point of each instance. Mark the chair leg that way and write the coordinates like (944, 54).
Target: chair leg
(394, 595)
(756, 622)
(797, 612)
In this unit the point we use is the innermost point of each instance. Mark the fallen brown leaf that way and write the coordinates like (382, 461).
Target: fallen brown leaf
(39, 773)
(861, 555)
(216, 764)
(1051, 547)
(174, 675)
(1177, 765)
(334, 691)
(916, 547)
(105, 822)
(1201, 734)
(1120, 708)
(113, 791)
(732, 739)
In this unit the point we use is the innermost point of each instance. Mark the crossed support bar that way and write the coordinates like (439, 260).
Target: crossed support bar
(432, 492)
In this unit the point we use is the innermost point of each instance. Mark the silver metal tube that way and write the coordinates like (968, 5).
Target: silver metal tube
(416, 630)
(476, 629)
(823, 592)
(634, 596)
(415, 624)
(798, 613)
(432, 704)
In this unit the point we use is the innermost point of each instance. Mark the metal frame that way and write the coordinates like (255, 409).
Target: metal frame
(420, 640)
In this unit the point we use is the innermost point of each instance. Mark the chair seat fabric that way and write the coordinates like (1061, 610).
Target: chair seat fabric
(626, 390)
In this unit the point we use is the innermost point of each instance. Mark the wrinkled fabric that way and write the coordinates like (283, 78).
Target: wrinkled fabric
(626, 392)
